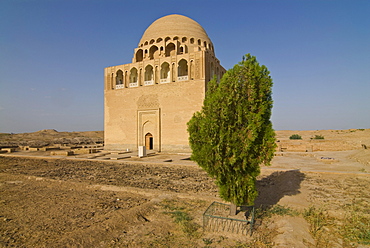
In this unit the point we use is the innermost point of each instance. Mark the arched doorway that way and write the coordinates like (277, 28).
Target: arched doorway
(148, 124)
(149, 141)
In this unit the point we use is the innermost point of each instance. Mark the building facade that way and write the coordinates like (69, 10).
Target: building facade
(149, 101)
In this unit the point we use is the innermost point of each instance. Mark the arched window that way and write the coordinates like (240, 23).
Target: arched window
(139, 55)
(170, 50)
(212, 73)
(191, 70)
(148, 75)
(183, 49)
(140, 77)
(184, 39)
(153, 52)
(156, 74)
(205, 44)
(159, 40)
(111, 84)
(146, 43)
(182, 70)
(133, 77)
(126, 77)
(151, 41)
(119, 79)
(165, 73)
(173, 72)
(218, 74)
(192, 41)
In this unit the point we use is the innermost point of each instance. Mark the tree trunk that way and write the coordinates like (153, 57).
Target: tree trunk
(233, 209)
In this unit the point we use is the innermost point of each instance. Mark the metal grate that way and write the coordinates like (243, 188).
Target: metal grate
(216, 219)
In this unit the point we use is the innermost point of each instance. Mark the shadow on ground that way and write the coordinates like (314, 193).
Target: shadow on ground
(277, 185)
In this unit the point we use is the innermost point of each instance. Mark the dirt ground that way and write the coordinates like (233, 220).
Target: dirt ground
(306, 199)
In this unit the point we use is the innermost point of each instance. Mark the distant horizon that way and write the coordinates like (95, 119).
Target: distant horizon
(103, 130)
(53, 55)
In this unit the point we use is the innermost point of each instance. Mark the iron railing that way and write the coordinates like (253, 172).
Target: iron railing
(216, 219)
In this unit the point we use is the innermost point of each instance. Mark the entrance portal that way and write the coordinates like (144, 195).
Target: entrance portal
(149, 141)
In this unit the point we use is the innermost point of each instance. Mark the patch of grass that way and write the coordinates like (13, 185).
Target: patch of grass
(282, 210)
(263, 236)
(318, 219)
(181, 216)
(352, 230)
(320, 222)
(207, 241)
(276, 210)
(170, 206)
(356, 228)
(184, 220)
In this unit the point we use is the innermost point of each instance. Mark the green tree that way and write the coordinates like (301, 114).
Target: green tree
(232, 135)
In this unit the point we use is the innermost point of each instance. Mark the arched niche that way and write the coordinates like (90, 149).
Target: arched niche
(148, 75)
(170, 50)
(133, 76)
(182, 70)
(165, 73)
(153, 52)
(139, 55)
(119, 77)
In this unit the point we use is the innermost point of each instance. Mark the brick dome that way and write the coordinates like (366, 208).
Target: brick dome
(174, 26)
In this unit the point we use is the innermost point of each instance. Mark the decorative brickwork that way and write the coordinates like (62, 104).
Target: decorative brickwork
(168, 75)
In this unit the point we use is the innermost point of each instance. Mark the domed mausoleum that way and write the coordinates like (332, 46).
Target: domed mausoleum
(149, 101)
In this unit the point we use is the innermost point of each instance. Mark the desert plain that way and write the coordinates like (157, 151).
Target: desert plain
(314, 194)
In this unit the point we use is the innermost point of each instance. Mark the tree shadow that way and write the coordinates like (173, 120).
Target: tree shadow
(277, 185)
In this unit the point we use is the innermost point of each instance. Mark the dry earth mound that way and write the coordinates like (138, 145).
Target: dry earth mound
(50, 137)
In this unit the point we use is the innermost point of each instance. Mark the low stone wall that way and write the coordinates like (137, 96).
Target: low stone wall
(314, 145)
(85, 151)
(7, 150)
(61, 153)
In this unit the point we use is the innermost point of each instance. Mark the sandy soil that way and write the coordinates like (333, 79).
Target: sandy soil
(306, 199)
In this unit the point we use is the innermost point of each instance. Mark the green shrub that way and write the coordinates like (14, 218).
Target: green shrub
(318, 137)
(295, 136)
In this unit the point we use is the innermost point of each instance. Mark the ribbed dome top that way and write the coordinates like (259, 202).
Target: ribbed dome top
(174, 25)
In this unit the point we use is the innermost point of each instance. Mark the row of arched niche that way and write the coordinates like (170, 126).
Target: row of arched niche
(150, 75)
(171, 48)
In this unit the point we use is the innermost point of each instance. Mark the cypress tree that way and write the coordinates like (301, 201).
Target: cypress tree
(232, 135)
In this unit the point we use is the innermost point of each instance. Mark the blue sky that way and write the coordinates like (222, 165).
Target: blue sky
(53, 52)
